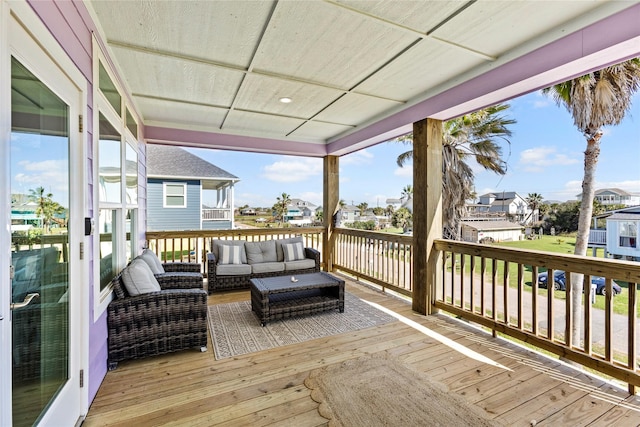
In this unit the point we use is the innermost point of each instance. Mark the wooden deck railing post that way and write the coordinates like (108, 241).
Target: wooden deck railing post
(427, 212)
(331, 197)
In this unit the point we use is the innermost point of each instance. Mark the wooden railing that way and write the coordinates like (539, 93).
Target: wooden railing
(193, 245)
(489, 285)
(382, 258)
(495, 287)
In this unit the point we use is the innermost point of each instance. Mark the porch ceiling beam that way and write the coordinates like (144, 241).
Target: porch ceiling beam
(245, 70)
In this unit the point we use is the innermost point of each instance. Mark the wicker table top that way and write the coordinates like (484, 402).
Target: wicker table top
(272, 285)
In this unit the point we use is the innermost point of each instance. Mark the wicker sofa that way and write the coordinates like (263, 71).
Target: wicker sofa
(171, 319)
(257, 259)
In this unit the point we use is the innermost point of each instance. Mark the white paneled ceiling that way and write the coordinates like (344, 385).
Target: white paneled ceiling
(222, 66)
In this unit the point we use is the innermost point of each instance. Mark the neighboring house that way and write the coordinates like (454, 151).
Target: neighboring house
(507, 203)
(179, 183)
(248, 211)
(346, 214)
(491, 230)
(620, 238)
(396, 203)
(300, 212)
(615, 196)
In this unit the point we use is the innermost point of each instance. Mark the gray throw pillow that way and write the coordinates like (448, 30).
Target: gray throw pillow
(293, 251)
(139, 279)
(217, 244)
(152, 261)
(230, 254)
(281, 242)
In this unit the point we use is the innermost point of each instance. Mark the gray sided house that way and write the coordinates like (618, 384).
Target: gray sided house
(620, 237)
(185, 192)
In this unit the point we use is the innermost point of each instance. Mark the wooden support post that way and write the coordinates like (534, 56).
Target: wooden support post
(427, 212)
(331, 198)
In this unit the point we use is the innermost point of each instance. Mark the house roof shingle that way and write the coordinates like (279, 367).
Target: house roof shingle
(170, 161)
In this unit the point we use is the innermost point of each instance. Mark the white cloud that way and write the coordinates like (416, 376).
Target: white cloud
(541, 158)
(311, 196)
(292, 170)
(361, 157)
(52, 175)
(542, 101)
(254, 200)
(406, 172)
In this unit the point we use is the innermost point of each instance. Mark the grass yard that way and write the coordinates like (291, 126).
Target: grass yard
(558, 244)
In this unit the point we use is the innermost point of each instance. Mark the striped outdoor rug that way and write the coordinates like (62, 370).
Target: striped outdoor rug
(236, 330)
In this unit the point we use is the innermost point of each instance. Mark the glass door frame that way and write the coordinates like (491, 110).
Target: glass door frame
(41, 53)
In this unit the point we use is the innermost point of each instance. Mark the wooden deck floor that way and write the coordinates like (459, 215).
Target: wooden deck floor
(266, 388)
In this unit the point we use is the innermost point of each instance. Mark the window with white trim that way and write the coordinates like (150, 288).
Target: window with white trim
(628, 234)
(175, 195)
(116, 191)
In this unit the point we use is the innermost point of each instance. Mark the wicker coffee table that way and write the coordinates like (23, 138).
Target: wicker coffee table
(279, 297)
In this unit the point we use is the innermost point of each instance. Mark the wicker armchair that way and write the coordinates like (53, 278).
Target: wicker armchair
(172, 319)
(183, 275)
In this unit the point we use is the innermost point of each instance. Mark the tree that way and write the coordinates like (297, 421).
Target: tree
(594, 100)
(378, 211)
(474, 135)
(281, 207)
(534, 200)
(389, 210)
(402, 218)
(47, 207)
(407, 192)
(362, 207)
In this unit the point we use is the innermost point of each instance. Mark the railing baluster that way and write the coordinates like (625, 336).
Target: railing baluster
(608, 317)
(551, 285)
(483, 271)
(505, 291)
(534, 300)
(631, 334)
(463, 262)
(520, 295)
(586, 286)
(568, 329)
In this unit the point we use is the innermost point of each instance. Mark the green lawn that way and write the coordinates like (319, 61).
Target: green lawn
(559, 244)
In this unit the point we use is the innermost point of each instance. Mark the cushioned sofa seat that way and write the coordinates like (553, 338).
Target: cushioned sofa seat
(231, 264)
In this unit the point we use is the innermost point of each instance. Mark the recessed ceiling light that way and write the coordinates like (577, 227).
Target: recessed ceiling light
(285, 100)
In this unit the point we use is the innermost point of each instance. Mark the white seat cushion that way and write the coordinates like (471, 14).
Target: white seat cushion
(299, 265)
(267, 267)
(233, 269)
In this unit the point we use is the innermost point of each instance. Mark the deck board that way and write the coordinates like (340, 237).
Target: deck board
(267, 388)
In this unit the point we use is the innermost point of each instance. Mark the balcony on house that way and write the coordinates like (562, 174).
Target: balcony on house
(474, 345)
(598, 237)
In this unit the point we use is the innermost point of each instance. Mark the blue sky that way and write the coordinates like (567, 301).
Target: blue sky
(545, 156)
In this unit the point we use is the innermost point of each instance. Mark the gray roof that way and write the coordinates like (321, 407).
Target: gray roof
(492, 225)
(170, 161)
(625, 216)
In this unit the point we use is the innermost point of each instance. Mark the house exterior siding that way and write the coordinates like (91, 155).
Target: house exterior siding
(161, 218)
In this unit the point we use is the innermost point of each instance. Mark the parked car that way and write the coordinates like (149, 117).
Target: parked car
(559, 283)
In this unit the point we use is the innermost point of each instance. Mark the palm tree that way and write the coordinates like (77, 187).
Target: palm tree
(407, 192)
(534, 200)
(599, 98)
(282, 206)
(47, 207)
(362, 207)
(473, 135)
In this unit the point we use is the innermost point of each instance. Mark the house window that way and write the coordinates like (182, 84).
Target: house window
(175, 195)
(628, 232)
